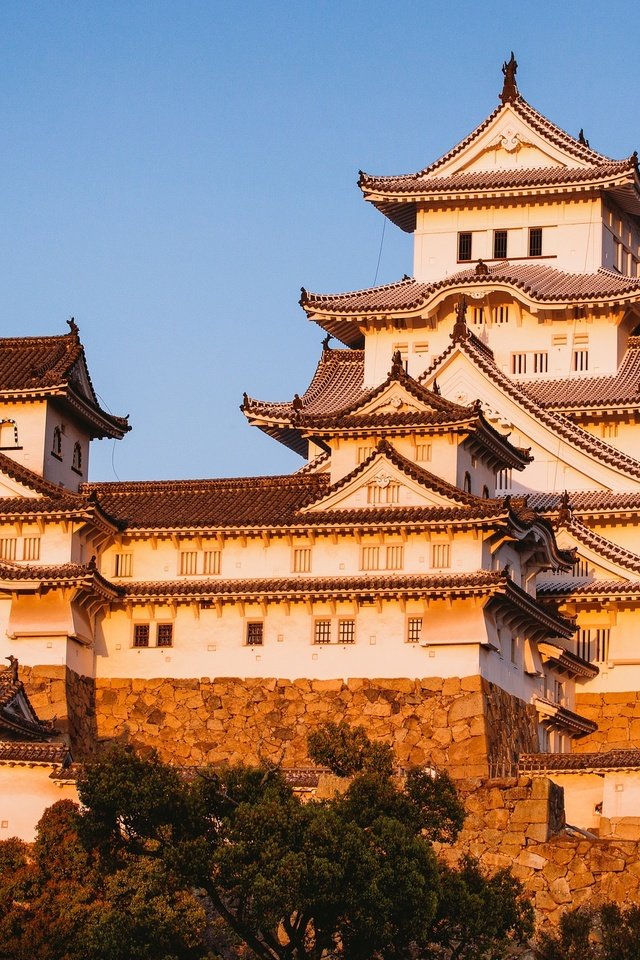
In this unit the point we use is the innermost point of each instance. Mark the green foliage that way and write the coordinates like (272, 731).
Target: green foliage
(441, 813)
(348, 750)
(606, 932)
(153, 863)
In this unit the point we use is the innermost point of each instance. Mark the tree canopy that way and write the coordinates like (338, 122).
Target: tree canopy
(158, 864)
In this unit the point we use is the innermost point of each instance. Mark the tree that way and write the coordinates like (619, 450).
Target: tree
(152, 857)
(605, 932)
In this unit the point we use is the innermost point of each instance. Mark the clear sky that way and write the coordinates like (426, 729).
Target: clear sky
(173, 172)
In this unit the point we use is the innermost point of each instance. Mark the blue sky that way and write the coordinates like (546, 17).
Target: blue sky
(174, 172)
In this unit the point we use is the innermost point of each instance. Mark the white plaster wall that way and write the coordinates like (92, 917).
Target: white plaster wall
(571, 238)
(621, 794)
(582, 792)
(25, 793)
(61, 471)
(622, 671)
(30, 419)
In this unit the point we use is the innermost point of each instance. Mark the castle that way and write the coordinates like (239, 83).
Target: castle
(454, 565)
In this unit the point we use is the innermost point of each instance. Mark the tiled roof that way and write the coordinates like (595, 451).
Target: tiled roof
(337, 588)
(33, 481)
(55, 366)
(558, 716)
(421, 187)
(214, 504)
(559, 588)
(559, 425)
(51, 754)
(17, 716)
(590, 503)
(602, 546)
(579, 762)
(539, 282)
(60, 574)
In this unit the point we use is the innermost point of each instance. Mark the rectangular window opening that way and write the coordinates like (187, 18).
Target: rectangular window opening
(164, 635)
(346, 631)
(414, 629)
(211, 562)
(188, 563)
(255, 633)
(123, 565)
(141, 634)
(440, 556)
(322, 631)
(464, 246)
(535, 242)
(31, 548)
(301, 559)
(500, 244)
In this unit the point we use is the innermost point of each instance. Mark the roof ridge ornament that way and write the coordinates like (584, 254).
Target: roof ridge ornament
(73, 327)
(565, 513)
(509, 87)
(397, 366)
(582, 139)
(460, 328)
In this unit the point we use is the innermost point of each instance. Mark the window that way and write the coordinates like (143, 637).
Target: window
(141, 634)
(255, 633)
(464, 246)
(188, 563)
(395, 557)
(499, 244)
(123, 565)
(503, 479)
(56, 446)
(518, 363)
(609, 430)
(502, 314)
(8, 548)
(477, 315)
(31, 548)
(370, 558)
(514, 649)
(414, 629)
(364, 453)
(440, 556)
(535, 242)
(593, 644)
(466, 484)
(540, 362)
(559, 340)
(76, 462)
(322, 631)
(423, 452)
(164, 635)
(301, 560)
(211, 562)
(346, 631)
(485, 492)
(8, 434)
(383, 491)
(580, 360)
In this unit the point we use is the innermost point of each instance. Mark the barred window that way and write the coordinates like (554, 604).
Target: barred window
(370, 558)
(188, 562)
(504, 479)
(464, 246)
(255, 633)
(56, 444)
(301, 559)
(395, 557)
(211, 562)
(31, 548)
(414, 629)
(466, 483)
(8, 434)
(540, 362)
(76, 462)
(580, 360)
(502, 314)
(423, 452)
(322, 631)
(499, 244)
(123, 565)
(164, 635)
(383, 493)
(535, 242)
(141, 634)
(8, 548)
(440, 556)
(609, 430)
(477, 315)
(518, 363)
(593, 644)
(346, 631)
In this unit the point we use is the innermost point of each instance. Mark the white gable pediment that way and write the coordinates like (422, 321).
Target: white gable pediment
(506, 143)
(395, 398)
(381, 484)
(13, 488)
(600, 567)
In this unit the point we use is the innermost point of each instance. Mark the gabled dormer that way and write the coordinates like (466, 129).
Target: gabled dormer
(49, 411)
(516, 188)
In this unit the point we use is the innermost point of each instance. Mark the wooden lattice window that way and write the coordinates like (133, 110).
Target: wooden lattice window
(414, 629)
(31, 548)
(440, 556)
(395, 557)
(123, 565)
(188, 563)
(255, 633)
(500, 244)
(8, 548)
(141, 634)
(322, 631)
(56, 444)
(370, 558)
(464, 246)
(164, 635)
(346, 631)
(211, 562)
(423, 452)
(76, 463)
(535, 242)
(301, 559)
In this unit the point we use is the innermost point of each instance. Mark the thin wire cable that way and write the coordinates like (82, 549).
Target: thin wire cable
(113, 446)
(384, 224)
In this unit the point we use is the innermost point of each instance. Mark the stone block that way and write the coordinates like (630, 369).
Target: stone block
(530, 811)
(533, 860)
(325, 686)
(559, 891)
(470, 705)
(472, 683)
(450, 687)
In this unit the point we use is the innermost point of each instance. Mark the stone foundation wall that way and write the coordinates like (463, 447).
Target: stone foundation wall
(618, 719)
(465, 725)
(518, 824)
(57, 691)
